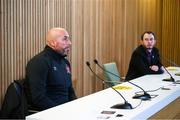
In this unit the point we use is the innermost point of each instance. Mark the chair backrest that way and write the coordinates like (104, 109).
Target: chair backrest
(111, 67)
(14, 105)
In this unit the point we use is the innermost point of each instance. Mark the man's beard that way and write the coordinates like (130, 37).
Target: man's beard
(65, 51)
(149, 47)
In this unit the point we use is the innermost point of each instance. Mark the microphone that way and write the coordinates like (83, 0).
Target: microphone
(173, 63)
(124, 105)
(171, 79)
(144, 96)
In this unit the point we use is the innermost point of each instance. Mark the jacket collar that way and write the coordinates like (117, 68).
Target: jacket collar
(53, 53)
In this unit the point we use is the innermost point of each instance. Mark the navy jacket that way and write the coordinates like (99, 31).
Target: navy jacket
(139, 64)
(48, 80)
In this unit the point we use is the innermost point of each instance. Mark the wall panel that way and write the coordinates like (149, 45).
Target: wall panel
(171, 32)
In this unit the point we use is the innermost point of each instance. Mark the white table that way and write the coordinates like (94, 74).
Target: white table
(91, 106)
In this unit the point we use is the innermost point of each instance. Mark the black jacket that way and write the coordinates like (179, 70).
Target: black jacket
(139, 64)
(48, 80)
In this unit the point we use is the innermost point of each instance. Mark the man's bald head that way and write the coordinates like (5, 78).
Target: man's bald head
(58, 40)
(53, 33)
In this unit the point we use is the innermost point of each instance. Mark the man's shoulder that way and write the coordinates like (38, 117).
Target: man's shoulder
(155, 49)
(138, 50)
(41, 57)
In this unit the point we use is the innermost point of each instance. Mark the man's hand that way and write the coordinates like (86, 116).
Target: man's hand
(154, 67)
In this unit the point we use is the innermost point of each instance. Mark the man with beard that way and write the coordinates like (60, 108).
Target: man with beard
(48, 75)
(145, 59)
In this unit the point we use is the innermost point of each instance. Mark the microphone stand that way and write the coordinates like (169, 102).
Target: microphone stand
(144, 96)
(171, 79)
(174, 64)
(126, 105)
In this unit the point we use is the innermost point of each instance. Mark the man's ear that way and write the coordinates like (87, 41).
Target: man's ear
(52, 43)
(154, 41)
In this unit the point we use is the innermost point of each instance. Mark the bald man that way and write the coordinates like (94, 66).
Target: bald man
(48, 75)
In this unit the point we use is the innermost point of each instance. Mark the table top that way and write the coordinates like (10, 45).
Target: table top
(90, 107)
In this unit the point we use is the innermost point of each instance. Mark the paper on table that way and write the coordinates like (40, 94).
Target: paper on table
(120, 87)
(172, 68)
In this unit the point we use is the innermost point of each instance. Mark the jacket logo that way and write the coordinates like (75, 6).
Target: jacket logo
(68, 69)
(55, 68)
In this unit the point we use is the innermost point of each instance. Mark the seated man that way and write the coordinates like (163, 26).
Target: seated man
(145, 59)
(48, 75)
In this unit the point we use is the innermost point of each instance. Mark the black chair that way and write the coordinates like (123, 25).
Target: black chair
(15, 104)
(28, 109)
